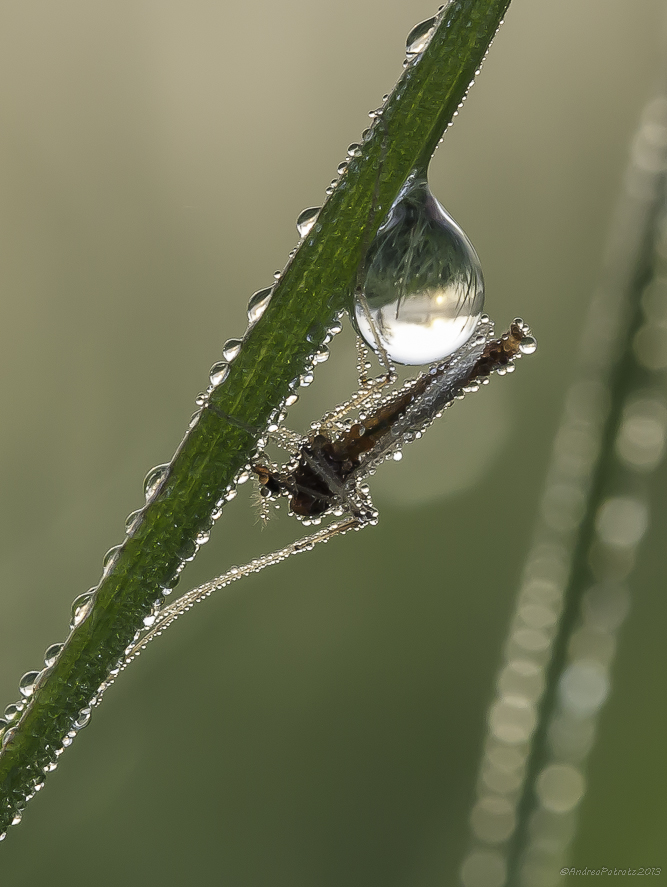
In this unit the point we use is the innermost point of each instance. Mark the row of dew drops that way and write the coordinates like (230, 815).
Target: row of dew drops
(306, 223)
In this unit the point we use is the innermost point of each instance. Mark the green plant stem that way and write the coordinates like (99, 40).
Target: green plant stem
(315, 286)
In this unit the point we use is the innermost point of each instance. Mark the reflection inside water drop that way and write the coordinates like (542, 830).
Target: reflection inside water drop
(423, 290)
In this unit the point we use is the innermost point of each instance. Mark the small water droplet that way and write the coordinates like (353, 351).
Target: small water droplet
(81, 607)
(423, 282)
(306, 379)
(52, 654)
(528, 345)
(243, 476)
(230, 494)
(291, 400)
(419, 38)
(397, 456)
(331, 187)
(132, 521)
(306, 219)
(83, 719)
(257, 303)
(342, 167)
(203, 537)
(153, 480)
(13, 711)
(7, 736)
(188, 550)
(321, 356)
(231, 349)
(219, 372)
(354, 150)
(17, 818)
(27, 683)
(110, 558)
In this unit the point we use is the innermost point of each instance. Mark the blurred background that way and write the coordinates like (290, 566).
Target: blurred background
(320, 723)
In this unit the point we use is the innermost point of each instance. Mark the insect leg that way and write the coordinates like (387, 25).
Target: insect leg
(171, 612)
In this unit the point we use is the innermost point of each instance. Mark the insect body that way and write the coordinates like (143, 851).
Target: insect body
(326, 472)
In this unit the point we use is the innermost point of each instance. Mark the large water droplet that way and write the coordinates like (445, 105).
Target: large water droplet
(257, 304)
(153, 480)
(419, 38)
(231, 349)
(423, 283)
(27, 683)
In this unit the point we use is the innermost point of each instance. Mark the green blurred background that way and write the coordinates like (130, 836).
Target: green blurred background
(321, 723)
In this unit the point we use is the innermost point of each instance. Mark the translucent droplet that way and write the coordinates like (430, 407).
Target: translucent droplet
(153, 480)
(52, 654)
(132, 521)
(423, 286)
(12, 711)
(219, 372)
(354, 150)
(257, 304)
(110, 557)
(307, 219)
(528, 345)
(419, 37)
(231, 349)
(27, 683)
(83, 719)
(341, 167)
(81, 607)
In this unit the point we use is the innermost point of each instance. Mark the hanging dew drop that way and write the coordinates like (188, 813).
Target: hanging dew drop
(419, 38)
(306, 220)
(423, 290)
(231, 349)
(257, 304)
